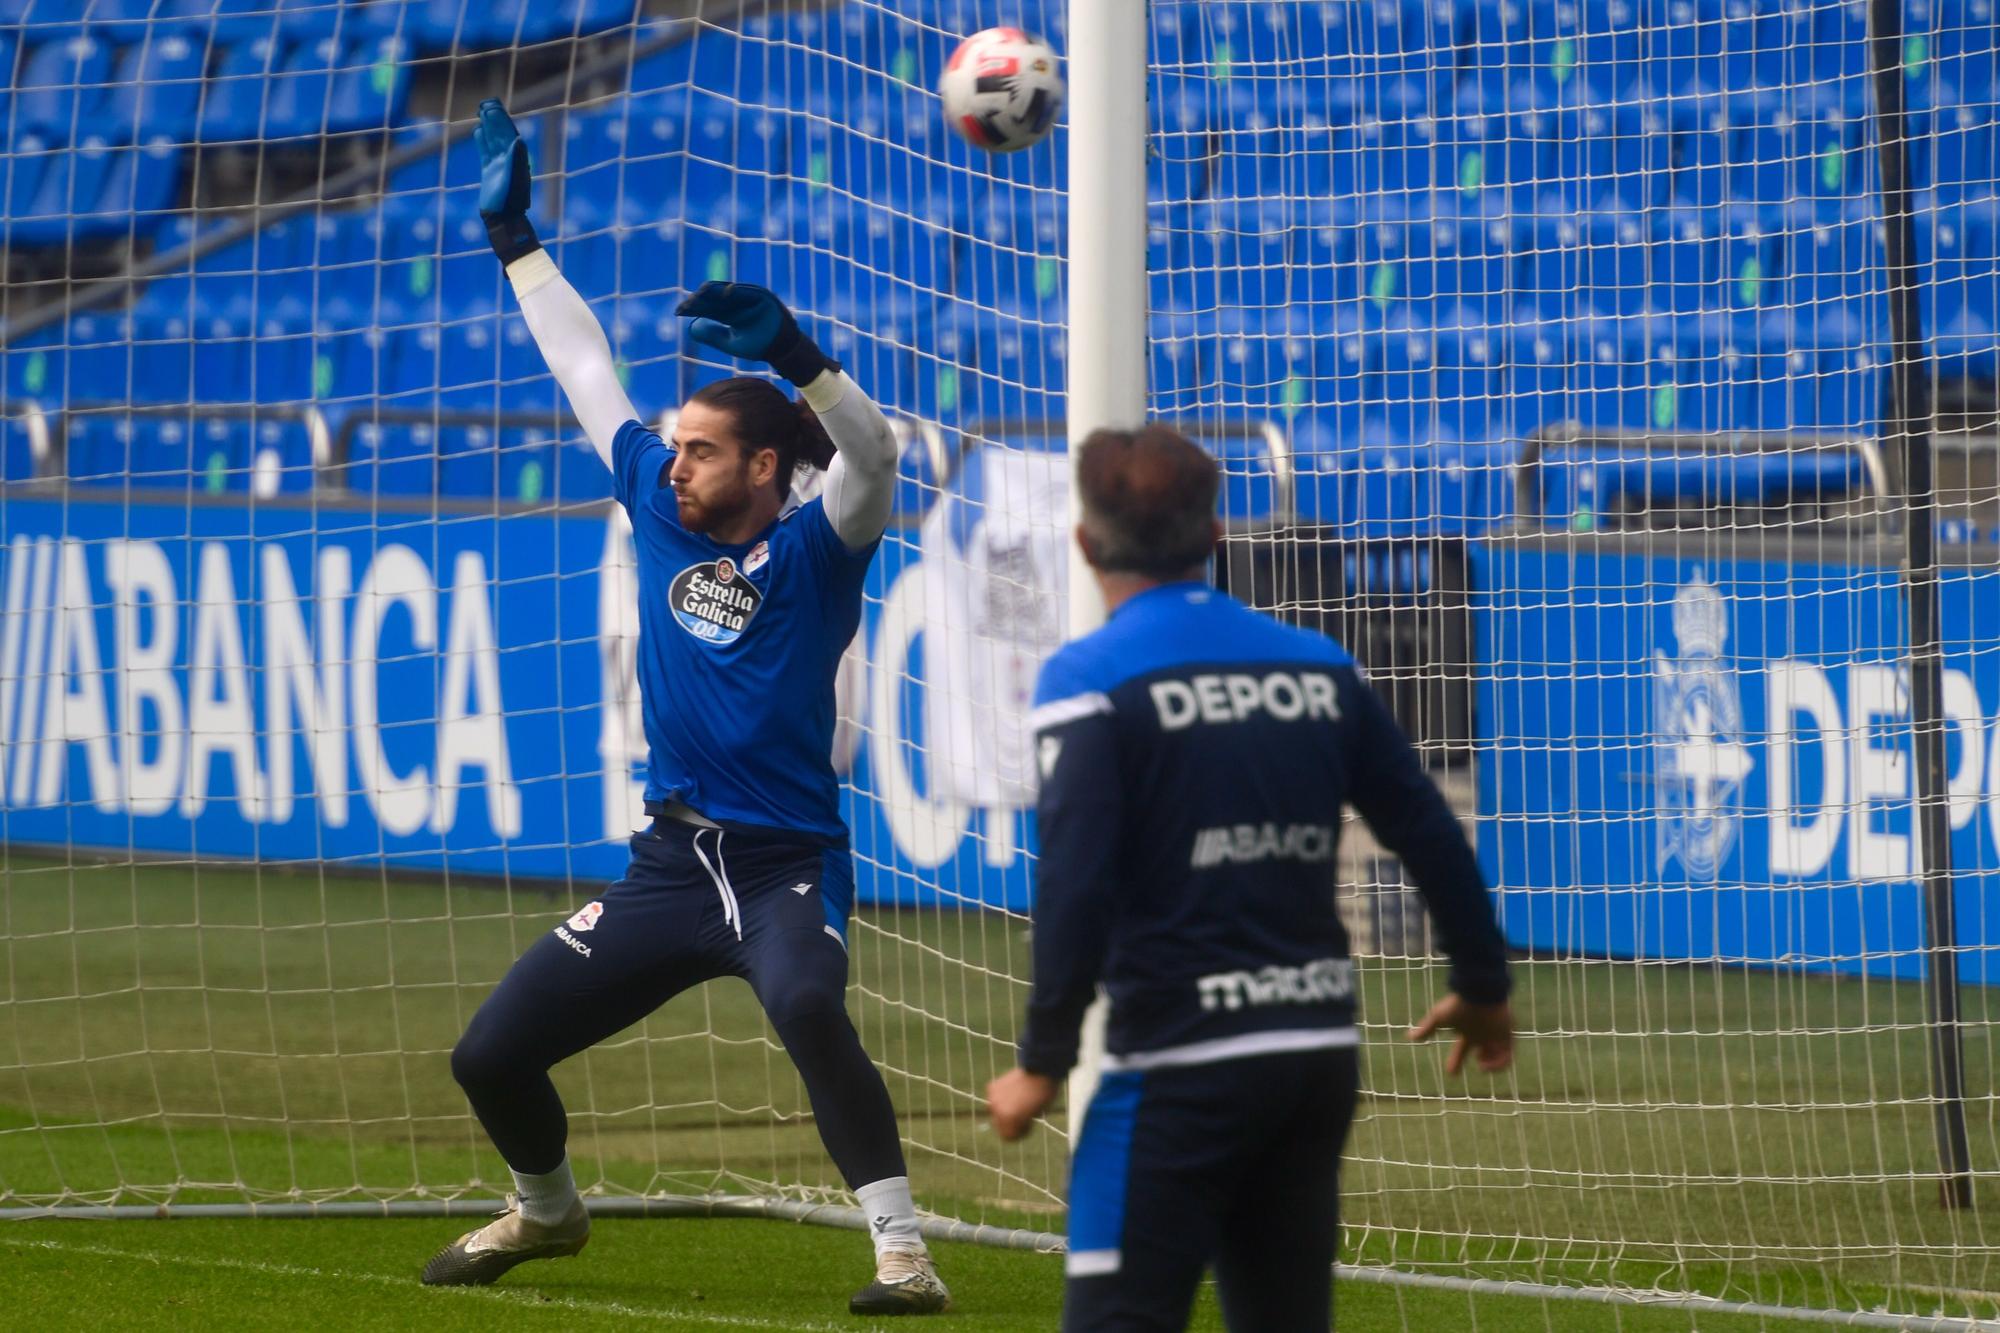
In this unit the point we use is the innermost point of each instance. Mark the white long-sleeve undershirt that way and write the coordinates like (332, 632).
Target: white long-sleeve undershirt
(860, 484)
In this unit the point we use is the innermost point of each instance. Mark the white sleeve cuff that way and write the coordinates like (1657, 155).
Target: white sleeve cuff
(531, 271)
(823, 394)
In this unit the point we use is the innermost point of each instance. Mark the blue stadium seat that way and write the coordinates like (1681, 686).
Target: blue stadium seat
(98, 350)
(1399, 392)
(1466, 487)
(1538, 42)
(1537, 377)
(1834, 262)
(1251, 161)
(97, 447)
(18, 458)
(121, 449)
(580, 476)
(61, 86)
(1611, 158)
(282, 363)
(1954, 148)
(1177, 169)
(1389, 499)
(1396, 158)
(233, 21)
(370, 81)
(1472, 272)
(1486, 162)
(1324, 463)
(156, 90)
(1967, 43)
(1323, 252)
(162, 452)
(72, 181)
(232, 109)
(1176, 375)
(25, 166)
(34, 368)
(137, 188)
(1466, 383)
(1617, 253)
(1977, 277)
(280, 457)
(864, 240)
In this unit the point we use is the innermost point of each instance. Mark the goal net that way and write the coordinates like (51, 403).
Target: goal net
(1545, 346)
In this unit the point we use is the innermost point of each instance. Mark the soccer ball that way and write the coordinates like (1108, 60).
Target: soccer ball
(1002, 89)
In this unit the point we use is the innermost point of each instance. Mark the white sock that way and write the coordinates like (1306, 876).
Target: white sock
(546, 1199)
(892, 1216)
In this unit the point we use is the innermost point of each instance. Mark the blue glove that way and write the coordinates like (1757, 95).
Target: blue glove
(750, 322)
(505, 183)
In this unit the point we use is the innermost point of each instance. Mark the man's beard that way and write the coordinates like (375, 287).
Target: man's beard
(698, 517)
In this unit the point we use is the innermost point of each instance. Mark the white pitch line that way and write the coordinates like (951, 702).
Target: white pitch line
(506, 1296)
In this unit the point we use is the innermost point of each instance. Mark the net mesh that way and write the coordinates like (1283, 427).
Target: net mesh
(1544, 346)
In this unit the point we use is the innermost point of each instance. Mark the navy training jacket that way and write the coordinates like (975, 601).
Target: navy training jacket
(1194, 758)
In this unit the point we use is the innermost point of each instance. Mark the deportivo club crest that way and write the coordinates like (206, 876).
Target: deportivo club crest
(1700, 757)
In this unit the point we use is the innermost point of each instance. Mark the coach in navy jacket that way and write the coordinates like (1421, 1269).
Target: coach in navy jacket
(1195, 756)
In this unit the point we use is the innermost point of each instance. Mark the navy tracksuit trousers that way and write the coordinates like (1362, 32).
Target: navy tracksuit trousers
(1234, 1165)
(695, 904)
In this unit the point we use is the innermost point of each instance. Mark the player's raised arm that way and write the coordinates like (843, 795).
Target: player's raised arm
(571, 339)
(750, 322)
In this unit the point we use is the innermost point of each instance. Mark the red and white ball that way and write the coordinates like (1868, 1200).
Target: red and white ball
(1002, 89)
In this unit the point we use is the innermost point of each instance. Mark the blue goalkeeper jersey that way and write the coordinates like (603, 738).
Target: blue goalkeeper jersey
(738, 646)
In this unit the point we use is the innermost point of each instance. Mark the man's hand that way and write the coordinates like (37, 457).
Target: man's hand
(1487, 1029)
(748, 321)
(1015, 1098)
(506, 183)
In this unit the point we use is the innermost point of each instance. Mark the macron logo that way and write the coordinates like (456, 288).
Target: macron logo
(802, 889)
(1217, 699)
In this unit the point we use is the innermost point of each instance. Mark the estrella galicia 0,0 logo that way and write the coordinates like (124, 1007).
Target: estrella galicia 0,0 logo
(713, 601)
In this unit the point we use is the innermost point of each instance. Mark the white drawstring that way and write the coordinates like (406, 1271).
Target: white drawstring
(731, 915)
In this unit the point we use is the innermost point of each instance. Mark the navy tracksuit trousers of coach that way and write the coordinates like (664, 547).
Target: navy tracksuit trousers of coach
(695, 904)
(1234, 1164)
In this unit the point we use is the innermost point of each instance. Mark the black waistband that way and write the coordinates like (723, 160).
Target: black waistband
(761, 833)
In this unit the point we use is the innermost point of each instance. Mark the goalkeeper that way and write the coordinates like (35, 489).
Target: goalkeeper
(1195, 757)
(746, 602)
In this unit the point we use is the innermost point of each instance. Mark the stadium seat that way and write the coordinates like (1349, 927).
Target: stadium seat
(1617, 254)
(19, 457)
(95, 451)
(73, 180)
(156, 89)
(1184, 148)
(1616, 158)
(1466, 488)
(138, 185)
(392, 458)
(61, 86)
(1953, 151)
(368, 86)
(1537, 378)
(233, 102)
(1490, 161)
(1514, 41)
(1472, 272)
(1399, 392)
(1466, 371)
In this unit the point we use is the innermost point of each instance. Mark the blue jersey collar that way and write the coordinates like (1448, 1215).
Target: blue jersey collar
(1188, 590)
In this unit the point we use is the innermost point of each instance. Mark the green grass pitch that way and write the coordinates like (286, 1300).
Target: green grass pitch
(193, 1032)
